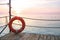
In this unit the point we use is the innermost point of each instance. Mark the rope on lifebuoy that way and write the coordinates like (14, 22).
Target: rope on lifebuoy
(16, 18)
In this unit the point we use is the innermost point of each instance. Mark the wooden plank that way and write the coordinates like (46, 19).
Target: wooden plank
(48, 38)
(0, 38)
(52, 38)
(41, 37)
(21, 36)
(29, 36)
(12, 36)
(59, 38)
(45, 37)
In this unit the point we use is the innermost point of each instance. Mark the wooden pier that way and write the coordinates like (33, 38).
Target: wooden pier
(29, 36)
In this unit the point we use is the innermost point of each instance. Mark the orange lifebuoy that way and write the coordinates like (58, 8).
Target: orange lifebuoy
(20, 19)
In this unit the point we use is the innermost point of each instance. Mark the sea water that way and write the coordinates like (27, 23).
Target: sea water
(48, 31)
(36, 27)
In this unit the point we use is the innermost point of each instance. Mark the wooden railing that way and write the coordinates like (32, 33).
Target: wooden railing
(6, 17)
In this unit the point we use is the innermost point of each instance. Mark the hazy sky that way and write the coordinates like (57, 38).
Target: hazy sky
(33, 7)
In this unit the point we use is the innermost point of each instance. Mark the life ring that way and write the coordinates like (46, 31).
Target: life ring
(17, 18)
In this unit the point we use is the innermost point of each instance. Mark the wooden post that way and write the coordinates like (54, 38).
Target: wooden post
(6, 19)
(9, 11)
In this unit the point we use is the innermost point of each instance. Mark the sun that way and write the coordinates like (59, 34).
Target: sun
(19, 5)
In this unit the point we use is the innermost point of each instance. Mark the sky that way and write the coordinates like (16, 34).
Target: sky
(32, 8)
(37, 8)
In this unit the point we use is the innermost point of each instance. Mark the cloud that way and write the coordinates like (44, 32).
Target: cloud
(50, 3)
(4, 1)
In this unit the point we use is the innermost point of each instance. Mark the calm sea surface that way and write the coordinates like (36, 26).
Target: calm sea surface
(36, 24)
(37, 30)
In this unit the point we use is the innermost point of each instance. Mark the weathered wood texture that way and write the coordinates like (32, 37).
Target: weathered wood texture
(29, 36)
